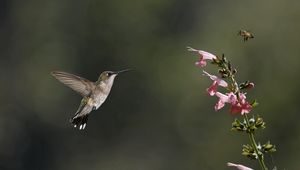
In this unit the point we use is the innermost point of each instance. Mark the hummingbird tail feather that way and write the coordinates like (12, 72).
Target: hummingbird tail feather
(81, 116)
(79, 121)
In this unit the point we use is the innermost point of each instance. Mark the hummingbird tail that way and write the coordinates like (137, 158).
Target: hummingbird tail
(79, 121)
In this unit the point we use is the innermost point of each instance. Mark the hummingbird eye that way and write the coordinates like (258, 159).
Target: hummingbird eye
(108, 74)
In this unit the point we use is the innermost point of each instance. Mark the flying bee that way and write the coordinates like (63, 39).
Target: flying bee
(245, 34)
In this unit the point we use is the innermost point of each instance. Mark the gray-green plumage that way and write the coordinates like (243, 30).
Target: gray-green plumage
(93, 93)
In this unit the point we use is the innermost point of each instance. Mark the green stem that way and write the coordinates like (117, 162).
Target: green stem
(236, 89)
(254, 145)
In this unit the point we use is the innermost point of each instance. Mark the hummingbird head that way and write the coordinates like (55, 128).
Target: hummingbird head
(108, 76)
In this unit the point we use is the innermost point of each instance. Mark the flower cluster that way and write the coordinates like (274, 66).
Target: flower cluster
(236, 99)
(250, 126)
(249, 151)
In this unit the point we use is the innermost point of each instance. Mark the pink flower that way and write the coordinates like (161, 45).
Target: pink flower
(216, 82)
(241, 106)
(238, 105)
(228, 98)
(239, 166)
(203, 56)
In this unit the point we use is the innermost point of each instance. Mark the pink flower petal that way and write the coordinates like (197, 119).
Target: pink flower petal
(241, 106)
(200, 63)
(228, 98)
(222, 100)
(217, 82)
(203, 56)
(212, 89)
(239, 166)
(212, 77)
(246, 108)
(225, 98)
(238, 105)
(242, 97)
(207, 55)
(232, 98)
(220, 81)
(219, 105)
(236, 108)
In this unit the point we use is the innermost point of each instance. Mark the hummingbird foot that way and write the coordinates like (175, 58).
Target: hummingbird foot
(94, 108)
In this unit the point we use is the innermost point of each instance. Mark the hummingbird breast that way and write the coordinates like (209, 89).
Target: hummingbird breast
(99, 96)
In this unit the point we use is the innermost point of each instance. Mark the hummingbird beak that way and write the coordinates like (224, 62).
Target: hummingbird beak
(122, 71)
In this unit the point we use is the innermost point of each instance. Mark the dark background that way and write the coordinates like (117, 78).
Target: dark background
(157, 117)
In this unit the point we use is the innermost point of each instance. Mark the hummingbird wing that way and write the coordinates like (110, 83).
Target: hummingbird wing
(78, 84)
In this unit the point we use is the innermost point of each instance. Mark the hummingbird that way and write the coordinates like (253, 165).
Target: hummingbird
(94, 93)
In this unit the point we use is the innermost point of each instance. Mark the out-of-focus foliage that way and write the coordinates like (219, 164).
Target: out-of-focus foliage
(157, 117)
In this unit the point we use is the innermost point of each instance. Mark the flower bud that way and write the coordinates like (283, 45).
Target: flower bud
(268, 147)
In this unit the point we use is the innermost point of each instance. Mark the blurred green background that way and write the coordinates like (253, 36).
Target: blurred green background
(157, 117)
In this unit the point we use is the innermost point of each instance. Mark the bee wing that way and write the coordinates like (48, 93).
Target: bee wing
(78, 84)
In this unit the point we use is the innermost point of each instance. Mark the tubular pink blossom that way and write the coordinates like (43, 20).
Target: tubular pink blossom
(241, 106)
(200, 63)
(228, 98)
(216, 82)
(212, 89)
(203, 56)
(238, 105)
(242, 97)
(219, 105)
(239, 166)
(220, 81)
